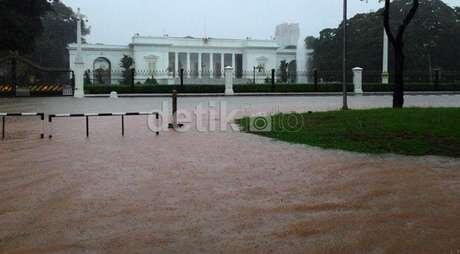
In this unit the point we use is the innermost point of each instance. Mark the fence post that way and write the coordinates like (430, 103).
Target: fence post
(3, 127)
(174, 124)
(42, 118)
(50, 124)
(358, 80)
(122, 125)
(13, 70)
(174, 105)
(73, 83)
(273, 80)
(315, 79)
(437, 74)
(87, 126)
(133, 74)
(181, 79)
(13, 73)
(229, 80)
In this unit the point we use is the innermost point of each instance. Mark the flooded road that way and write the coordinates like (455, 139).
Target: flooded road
(208, 192)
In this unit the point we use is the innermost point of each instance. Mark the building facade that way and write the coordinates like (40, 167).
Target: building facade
(202, 59)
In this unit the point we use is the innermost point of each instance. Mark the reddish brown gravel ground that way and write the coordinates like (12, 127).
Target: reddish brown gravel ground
(221, 192)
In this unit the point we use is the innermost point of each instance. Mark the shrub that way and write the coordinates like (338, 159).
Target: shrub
(261, 88)
(151, 81)
(141, 89)
(305, 88)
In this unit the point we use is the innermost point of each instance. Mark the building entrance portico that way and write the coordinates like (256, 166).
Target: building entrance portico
(204, 65)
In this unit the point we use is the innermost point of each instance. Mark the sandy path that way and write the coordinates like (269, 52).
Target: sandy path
(221, 192)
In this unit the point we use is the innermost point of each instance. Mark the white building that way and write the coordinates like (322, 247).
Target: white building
(202, 59)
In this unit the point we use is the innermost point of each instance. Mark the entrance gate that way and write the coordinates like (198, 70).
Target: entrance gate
(21, 77)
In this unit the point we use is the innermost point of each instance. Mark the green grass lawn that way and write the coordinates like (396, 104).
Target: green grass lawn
(410, 131)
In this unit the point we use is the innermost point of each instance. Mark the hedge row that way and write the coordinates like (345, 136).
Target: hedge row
(215, 89)
(305, 88)
(412, 87)
(139, 89)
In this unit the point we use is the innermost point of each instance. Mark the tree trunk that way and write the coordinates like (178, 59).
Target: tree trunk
(398, 44)
(398, 90)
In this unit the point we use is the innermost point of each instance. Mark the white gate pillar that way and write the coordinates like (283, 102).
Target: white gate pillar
(79, 72)
(358, 80)
(385, 74)
(229, 80)
(79, 65)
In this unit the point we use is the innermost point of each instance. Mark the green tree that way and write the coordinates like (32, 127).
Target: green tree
(435, 24)
(21, 24)
(431, 39)
(151, 81)
(283, 69)
(87, 78)
(60, 29)
(127, 66)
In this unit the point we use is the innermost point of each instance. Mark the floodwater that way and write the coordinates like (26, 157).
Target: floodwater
(215, 192)
(263, 103)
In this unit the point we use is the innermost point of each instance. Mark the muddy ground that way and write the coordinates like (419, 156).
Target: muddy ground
(219, 192)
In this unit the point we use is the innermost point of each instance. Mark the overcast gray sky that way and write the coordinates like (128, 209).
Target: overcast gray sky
(115, 21)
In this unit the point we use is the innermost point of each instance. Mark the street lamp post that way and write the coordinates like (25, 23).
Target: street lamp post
(344, 57)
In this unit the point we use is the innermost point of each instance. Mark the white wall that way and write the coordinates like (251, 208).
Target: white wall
(90, 55)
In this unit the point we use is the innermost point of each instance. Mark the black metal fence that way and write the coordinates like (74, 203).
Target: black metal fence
(140, 77)
(317, 77)
(21, 77)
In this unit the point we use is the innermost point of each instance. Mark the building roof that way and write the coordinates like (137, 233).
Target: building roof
(188, 42)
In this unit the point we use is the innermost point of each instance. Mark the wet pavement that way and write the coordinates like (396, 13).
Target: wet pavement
(215, 192)
(264, 103)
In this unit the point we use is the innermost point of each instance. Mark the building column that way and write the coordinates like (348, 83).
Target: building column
(211, 65)
(222, 67)
(234, 64)
(200, 68)
(176, 64)
(188, 65)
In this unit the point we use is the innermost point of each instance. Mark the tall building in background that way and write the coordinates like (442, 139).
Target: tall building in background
(287, 34)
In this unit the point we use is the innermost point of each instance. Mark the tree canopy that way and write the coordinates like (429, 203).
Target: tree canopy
(39, 29)
(21, 24)
(432, 39)
(59, 30)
